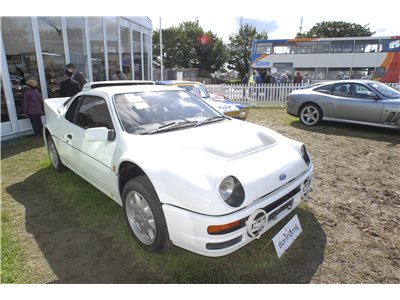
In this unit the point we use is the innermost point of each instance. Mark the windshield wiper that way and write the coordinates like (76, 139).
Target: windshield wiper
(171, 126)
(210, 120)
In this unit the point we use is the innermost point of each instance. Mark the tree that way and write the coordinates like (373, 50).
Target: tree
(239, 48)
(336, 29)
(188, 46)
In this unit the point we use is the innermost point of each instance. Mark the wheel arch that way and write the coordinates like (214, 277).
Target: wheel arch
(127, 171)
(46, 133)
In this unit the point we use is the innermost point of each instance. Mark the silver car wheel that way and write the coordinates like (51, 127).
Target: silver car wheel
(53, 154)
(140, 217)
(309, 115)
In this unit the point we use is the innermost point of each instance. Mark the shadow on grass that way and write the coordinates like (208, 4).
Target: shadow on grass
(18, 145)
(387, 135)
(84, 238)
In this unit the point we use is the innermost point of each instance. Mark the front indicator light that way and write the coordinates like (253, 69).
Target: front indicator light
(225, 228)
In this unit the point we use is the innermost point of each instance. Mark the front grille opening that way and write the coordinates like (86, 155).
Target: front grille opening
(282, 200)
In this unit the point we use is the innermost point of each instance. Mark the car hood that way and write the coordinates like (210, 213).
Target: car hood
(187, 170)
(227, 139)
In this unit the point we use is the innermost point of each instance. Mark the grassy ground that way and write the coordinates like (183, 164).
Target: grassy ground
(58, 228)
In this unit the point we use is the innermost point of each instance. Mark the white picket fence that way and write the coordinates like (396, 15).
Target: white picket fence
(260, 94)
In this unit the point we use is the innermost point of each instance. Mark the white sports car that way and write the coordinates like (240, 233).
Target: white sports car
(184, 173)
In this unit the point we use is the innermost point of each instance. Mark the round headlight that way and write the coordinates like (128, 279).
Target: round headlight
(231, 191)
(226, 188)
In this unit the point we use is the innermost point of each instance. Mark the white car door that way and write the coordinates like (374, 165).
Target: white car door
(93, 160)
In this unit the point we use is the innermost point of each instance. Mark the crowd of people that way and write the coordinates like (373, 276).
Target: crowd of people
(263, 77)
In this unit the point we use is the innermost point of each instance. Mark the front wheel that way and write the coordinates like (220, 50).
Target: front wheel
(144, 214)
(310, 114)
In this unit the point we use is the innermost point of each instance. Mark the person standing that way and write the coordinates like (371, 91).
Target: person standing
(33, 107)
(76, 75)
(298, 79)
(284, 79)
(245, 79)
(68, 87)
(306, 79)
(288, 77)
(121, 76)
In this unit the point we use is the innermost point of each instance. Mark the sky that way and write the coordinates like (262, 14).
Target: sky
(281, 19)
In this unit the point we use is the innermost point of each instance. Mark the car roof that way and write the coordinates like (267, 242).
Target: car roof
(97, 84)
(176, 82)
(365, 81)
(112, 90)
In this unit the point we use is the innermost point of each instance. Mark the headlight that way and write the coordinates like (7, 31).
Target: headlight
(305, 155)
(231, 191)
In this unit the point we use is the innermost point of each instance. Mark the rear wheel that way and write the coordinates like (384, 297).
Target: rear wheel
(310, 114)
(53, 154)
(144, 214)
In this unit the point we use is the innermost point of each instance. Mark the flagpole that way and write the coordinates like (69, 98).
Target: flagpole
(161, 53)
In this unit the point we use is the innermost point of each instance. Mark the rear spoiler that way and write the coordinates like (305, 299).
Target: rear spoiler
(93, 85)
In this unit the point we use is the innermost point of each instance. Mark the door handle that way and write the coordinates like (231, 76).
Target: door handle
(69, 136)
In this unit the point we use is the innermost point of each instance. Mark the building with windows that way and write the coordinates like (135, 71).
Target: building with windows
(39, 48)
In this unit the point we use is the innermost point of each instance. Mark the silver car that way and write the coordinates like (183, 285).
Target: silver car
(354, 101)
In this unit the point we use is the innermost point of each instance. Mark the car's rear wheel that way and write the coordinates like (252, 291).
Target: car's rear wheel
(310, 114)
(144, 214)
(53, 155)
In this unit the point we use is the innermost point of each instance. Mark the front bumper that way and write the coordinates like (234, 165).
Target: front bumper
(188, 229)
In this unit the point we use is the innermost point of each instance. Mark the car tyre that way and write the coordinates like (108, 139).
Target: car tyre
(310, 114)
(53, 155)
(144, 214)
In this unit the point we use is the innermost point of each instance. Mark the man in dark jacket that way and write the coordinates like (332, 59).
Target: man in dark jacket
(68, 87)
(76, 75)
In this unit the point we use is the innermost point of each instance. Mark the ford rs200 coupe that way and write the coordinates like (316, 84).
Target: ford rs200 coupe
(184, 173)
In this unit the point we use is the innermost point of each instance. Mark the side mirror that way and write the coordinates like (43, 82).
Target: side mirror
(99, 134)
(372, 95)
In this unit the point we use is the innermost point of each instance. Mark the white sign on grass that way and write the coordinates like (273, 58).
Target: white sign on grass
(284, 238)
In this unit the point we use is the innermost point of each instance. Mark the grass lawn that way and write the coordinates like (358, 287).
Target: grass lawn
(59, 228)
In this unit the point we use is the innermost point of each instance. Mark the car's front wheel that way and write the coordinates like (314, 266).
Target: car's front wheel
(144, 214)
(310, 114)
(53, 154)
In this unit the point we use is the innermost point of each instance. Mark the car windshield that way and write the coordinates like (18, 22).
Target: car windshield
(196, 89)
(385, 90)
(153, 112)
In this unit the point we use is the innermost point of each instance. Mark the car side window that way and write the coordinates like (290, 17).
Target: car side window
(361, 91)
(353, 90)
(342, 90)
(325, 89)
(71, 112)
(93, 112)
